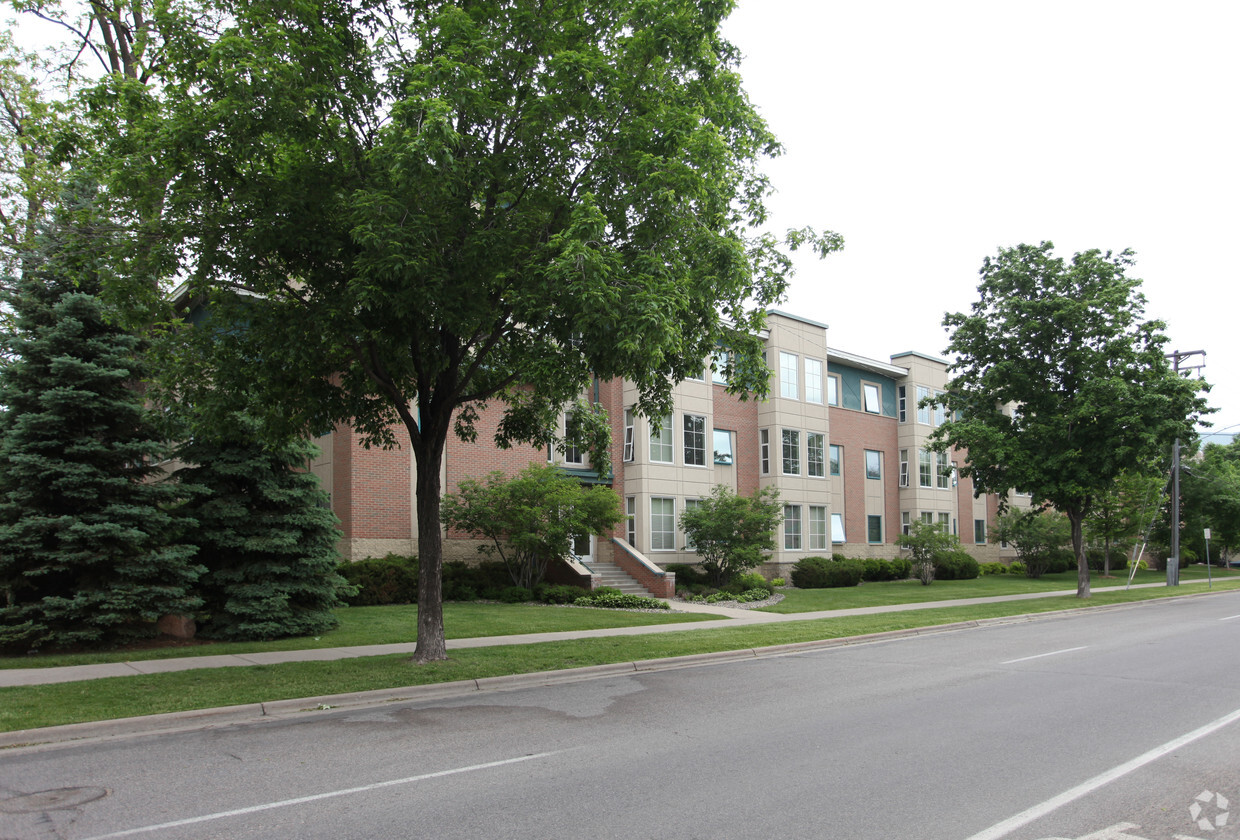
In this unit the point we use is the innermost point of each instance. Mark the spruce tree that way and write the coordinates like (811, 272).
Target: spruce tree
(264, 532)
(85, 526)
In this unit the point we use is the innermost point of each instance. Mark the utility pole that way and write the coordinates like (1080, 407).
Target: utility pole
(1173, 562)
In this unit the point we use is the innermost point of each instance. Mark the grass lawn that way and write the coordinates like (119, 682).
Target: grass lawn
(912, 592)
(35, 706)
(388, 625)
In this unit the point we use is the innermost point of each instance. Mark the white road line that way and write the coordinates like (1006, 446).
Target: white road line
(284, 803)
(1040, 655)
(1037, 811)
(1229, 618)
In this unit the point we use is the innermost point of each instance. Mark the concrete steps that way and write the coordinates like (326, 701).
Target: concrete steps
(615, 577)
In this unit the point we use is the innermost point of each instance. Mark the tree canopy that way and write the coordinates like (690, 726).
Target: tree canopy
(732, 533)
(1058, 383)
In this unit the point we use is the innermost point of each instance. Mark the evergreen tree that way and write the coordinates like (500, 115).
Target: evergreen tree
(264, 533)
(85, 555)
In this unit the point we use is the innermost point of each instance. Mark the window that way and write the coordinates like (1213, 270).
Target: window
(813, 381)
(873, 463)
(791, 452)
(661, 440)
(837, 528)
(943, 473)
(979, 531)
(923, 411)
(901, 403)
(792, 527)
(695, 440)
(572, 455)
(904, 468)
(764, 450)
(788, 375)
(925, 468)
(873, 403)
(905, 523)
(628, 434)
(662, 524)
(945, 519)
(695, 376)
(817, 527)
(690, 504)
(833, 390)
(630, 516)
(940, 411)
(722, 445)
(927, 517)
(874, 528)
(717, 363)
(837, 458)
(814, 443)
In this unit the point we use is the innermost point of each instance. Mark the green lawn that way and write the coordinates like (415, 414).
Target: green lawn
(37, 706)
(912, 592)
(390, 625)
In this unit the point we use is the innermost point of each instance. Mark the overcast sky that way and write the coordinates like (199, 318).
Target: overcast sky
(932, 134)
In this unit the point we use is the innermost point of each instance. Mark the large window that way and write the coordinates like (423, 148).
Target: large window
(940, 410)
(817, 527)
(979, 531)
(833, 389)
(923, 411)
(661, 440)
(788, 375)
(662, 524)
(791, 462)
(873, 400)
(874, 528)
(764, 451)
(814, 455)
(837, 528)
(945, 520)
(690, 504)
(943, 473)
(902, 403)
(717, 363)
(904, 468)
(925, 468)
(813, 381)
(905, 523)
(630, 517)
(837, 458)
(572, 454)
(792, 527)
(628, 434)
(873, 463)
(695, 440)
(722, 446)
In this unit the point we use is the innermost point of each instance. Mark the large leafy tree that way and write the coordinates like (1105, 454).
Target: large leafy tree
(1124, 510)
(1058, 384)
(733, 533)
(1211, 492)
(430, 206)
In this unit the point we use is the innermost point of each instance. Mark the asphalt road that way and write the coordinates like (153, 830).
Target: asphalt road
(1104, 725)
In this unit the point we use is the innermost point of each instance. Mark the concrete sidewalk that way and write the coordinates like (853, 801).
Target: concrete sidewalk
(727, 618)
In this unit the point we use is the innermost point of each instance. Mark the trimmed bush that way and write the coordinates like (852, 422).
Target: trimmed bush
(877, 569)
(391, 579)
(955, 565)
(558, 593)
(821, 573)
(901, 568)
(515, 595)
(992, 569)
(613, 599)
(686, 575)
(748, 581)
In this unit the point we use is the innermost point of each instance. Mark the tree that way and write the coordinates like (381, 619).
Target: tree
(926, 543)
(1036, 534)
(532, 518)
(264, 532)
(1124, 510)
(1058, 384)
(85, 556)
(1210, 488)
(732, 533)
(432, 206)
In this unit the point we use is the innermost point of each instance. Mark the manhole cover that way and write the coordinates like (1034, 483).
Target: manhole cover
(51, 800)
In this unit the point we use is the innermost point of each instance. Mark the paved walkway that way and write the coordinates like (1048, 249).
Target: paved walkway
(727, 618)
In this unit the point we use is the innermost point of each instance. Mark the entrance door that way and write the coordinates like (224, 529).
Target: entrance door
(583, 547)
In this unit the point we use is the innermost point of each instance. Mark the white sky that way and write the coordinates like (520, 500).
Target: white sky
(931, 134)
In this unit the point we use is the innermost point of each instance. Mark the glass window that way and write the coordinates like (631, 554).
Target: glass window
(943, 473)
(925, 468)
(872, 402)
(904, 468)
(690, 504)
(837, 528)
(923, 411)
(630, 516)
(901, 403)
(833, 390)
(814, 455)
(837, 458)
(979, 531)
(874, 528)
(628, 434)
(817, 527)
(927, 517)
(945, 519)
(792, 527)
(940, 411)
(813, 381)
(718, 362)
(791, 452)
(905, 523)
(695, 440)
(764, 450)
(722, 444)
(572, 455)
(788, 375)
(873, 463)
(662, 524)
(661, 440)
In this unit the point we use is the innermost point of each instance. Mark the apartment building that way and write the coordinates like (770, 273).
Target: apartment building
(843, 438)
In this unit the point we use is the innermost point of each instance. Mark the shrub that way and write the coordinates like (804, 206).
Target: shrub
(877, 569)
(901, 568)
(1016, 568)
(615, 600)
(391, 579)
(778, 582)
(559, 593)
(992, 569)
(821, 573)
(750, 580)
(515, 595)
(957, 564)
(687, 575)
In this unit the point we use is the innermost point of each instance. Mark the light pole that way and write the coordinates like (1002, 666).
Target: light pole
(1173, 562)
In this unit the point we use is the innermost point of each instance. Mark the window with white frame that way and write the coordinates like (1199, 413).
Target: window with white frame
(722, 445)
(572, 454)
(661, 440)
(792, 527)
(905, 523)
(695, 440)
(833, 389)
(837, 528)
(927, 517)
(945, 521)
(813, 381)
(764, 451)
(718, 363)
(837, 458)
(902, 403)
(662, 524)
(817, 527)
(940, 410)
(788, 375)
(925, 468)
(943, 471)
(923, 411)
(630, 516)
(904, 468)
(690, 504)
(873, 463)
(628, 434)
(791, 460)
(874, 528)
(815, 457)
(873, 398)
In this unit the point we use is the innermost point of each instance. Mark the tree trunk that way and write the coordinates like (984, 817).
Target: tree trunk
(1106, 557)
(429, 457)
(1078, 548)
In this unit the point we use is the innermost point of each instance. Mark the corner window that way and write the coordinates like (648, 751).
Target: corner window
(873, 463)
(902, 403)
(628, 434)
(925, 468)
(813, 381)
(873, 400)
(722, 445)
(904, 468)
(630, 517)
(814, 444)
(791, 452)
(661, 440)
(943, 473)
(788, 375)
(695, 440)
(923, 411)
(764, 451)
